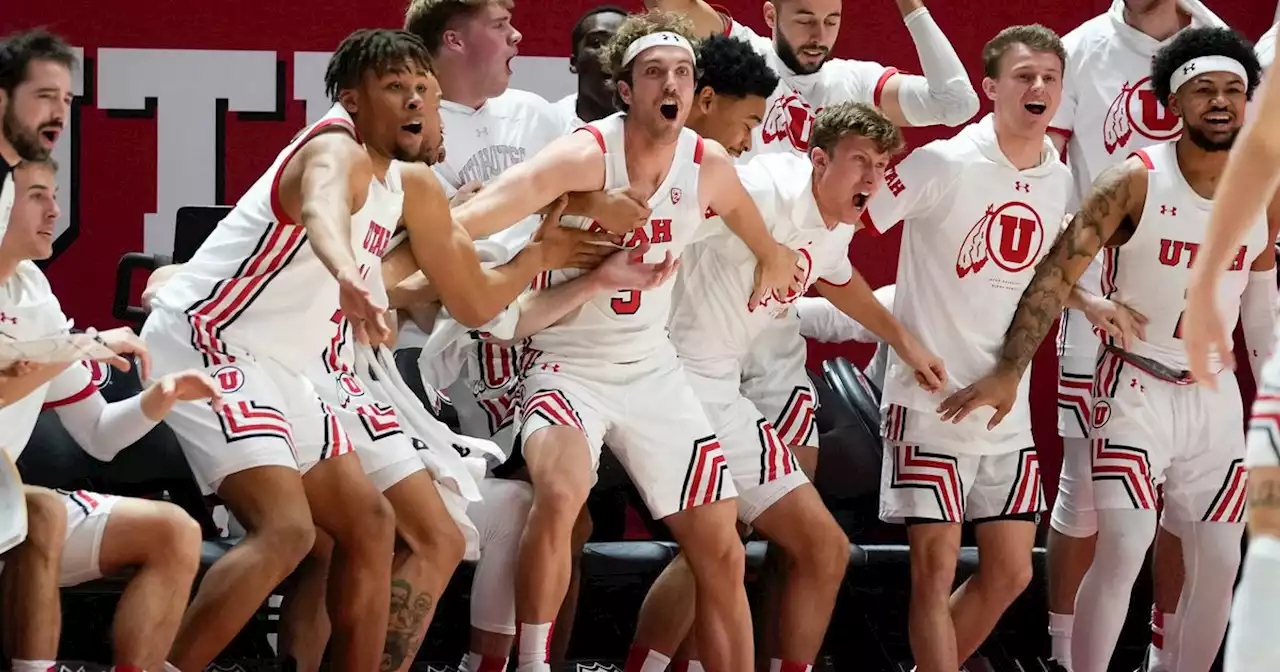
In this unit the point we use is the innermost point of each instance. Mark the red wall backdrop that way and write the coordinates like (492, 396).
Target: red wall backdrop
(115, 155)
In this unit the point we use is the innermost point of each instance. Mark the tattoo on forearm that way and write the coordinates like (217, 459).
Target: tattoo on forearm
(409, 610)
(1058, 271)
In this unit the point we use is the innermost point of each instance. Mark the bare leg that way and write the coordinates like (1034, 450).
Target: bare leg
(31, 571)
(429, 549)
(1004, 571)
(346, 506)
(569, 608)
(935, 547)
(816, 556)
(666, 617)
(1167, 576)
(271, 505)
(709, 536)
(163, 543)
(304, 621)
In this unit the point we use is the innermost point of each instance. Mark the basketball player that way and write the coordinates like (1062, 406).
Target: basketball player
(977, 209)
(594, 99)
(733, 84)
(1107, 113)
(219, 310)
(583, 378)
(1149, 424)
(96, 534)
(712, 330)
(1249, 181)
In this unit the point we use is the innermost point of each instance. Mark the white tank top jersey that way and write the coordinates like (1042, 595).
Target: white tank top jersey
(628, 326)
(975, 228)
(1150, 271)
(255, 287)
(481, 143)
(797, 100)
(711, 326)
(1108, 111)
(30, 311)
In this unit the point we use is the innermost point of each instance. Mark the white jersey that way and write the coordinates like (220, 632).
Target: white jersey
(1266, 47)
(1150, 271)
(566, 110)
(1109, 110)
(29, 311)
(710, 324)
(630, 325)
(255, 287)
(797, 100)
(7, 194)
(975, 228)
(482, 143)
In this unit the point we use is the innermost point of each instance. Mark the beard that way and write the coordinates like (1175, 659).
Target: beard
(1202, 140)
(25, 141)
(787, 54)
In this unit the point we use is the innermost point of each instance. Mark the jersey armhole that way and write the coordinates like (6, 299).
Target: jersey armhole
(596, 133)
(277, 209)
(726, 17)
(1145, 158)
(880, 84)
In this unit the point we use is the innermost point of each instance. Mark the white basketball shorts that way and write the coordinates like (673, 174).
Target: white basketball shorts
(922, 484)
(1148, 431)
(645, 410)
(774, 378)
(271, 415)
(87, 514)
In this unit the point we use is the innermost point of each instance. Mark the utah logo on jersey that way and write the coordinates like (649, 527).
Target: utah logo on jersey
(1136, 109)
(789, 118)
(777, 305)
(1010, 235)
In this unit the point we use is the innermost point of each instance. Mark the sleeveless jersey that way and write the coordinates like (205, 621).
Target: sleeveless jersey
(628, 326)
(1150, 272)
(974, 228)
(711, 326)
(255, 287)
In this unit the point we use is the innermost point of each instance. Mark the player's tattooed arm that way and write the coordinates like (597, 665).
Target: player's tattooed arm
(1117, 194)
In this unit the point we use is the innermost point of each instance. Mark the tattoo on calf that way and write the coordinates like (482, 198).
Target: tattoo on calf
(1264, 493)
(1059, 270)
(409, 610)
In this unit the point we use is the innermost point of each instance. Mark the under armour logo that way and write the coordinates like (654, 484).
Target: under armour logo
(553, 368)
(482, 131)
(1022, 186)
(1166, 210)
(1133, 383)
(5, 318)
(1188, 69)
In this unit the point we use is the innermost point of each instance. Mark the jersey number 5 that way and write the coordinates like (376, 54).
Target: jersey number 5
(628, 303)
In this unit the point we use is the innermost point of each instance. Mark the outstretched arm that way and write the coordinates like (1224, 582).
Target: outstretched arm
(944, 95)
(855, 299)
(1117, 193)
(572, 163)
(325, 183)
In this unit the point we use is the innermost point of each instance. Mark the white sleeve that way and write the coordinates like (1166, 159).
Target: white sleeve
(910, 188)
(822, 321)
(1257, 317)
(944, 95)
(101, 429)
(858, 81)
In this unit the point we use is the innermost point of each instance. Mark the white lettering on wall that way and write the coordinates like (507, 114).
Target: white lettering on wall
(308, 82)
(186, 85)
(62, 153)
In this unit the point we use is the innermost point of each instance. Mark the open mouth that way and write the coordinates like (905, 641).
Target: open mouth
(669, 111)
(1220, 119)
(1036, 108)
(813, 52)
(860, 199)
(50, 134)
(414, 127)
(509, 64)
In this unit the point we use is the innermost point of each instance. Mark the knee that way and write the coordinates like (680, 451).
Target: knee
(441, 541)
(1008, 578)
(718, 557)
(291, 536)
(558, 501)
(175, 538)
(829, 553)
(933, 566)
(46, 525)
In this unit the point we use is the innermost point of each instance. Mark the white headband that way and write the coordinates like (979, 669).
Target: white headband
(663, 39)
(1203, 64)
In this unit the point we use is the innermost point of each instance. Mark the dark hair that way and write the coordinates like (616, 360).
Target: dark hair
(379, 50)
(635, 27)
(1036, 38)
(731, 67)
(580, 28)
(47, 163)
(835, 122)
(18, 50)
(1196, 42)
(428, 19)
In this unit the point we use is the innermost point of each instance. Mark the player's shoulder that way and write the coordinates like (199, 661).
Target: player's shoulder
(518, 102)
(1088, 34)
(418, 177)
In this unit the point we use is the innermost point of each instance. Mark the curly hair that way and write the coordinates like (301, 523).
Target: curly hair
(835, 122)
(379, 50)
(1196, 42)
(731, 67)
(635, 27)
